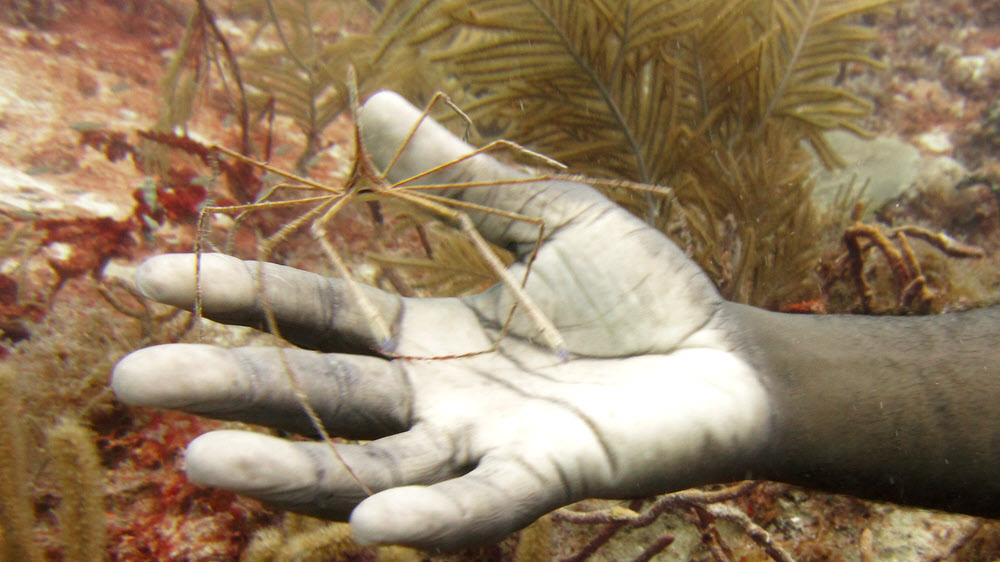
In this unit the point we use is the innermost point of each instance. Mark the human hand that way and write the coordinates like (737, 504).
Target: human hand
(654, 396)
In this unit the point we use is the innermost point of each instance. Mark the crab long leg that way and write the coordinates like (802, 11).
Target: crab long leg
(423, 116)
(380, 327)
(501, 143)
(278, 171)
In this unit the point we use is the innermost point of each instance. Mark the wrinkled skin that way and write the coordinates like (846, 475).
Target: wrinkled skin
(654, 395)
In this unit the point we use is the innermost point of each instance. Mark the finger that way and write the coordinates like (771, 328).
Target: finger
(497, 498)
(355, 396)
(307, 477)
(386, 120)
(311, 311)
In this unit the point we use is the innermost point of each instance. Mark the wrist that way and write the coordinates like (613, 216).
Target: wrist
(905, 409)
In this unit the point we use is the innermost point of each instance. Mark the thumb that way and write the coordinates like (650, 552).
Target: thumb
(386, 121)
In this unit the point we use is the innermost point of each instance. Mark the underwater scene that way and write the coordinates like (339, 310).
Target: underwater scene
(811, 156)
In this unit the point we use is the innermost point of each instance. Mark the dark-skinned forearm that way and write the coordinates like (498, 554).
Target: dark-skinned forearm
(905, 409)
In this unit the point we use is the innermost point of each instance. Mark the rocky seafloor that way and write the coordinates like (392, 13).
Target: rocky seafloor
(77, 80)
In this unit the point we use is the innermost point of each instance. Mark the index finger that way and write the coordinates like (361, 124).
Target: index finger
(310, 310)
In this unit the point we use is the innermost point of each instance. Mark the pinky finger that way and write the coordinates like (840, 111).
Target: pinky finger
(497, 498)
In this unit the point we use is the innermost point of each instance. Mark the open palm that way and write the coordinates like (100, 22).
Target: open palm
(645, 394)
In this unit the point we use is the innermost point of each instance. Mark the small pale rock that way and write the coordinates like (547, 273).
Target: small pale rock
(888, 165)
(937, 141)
